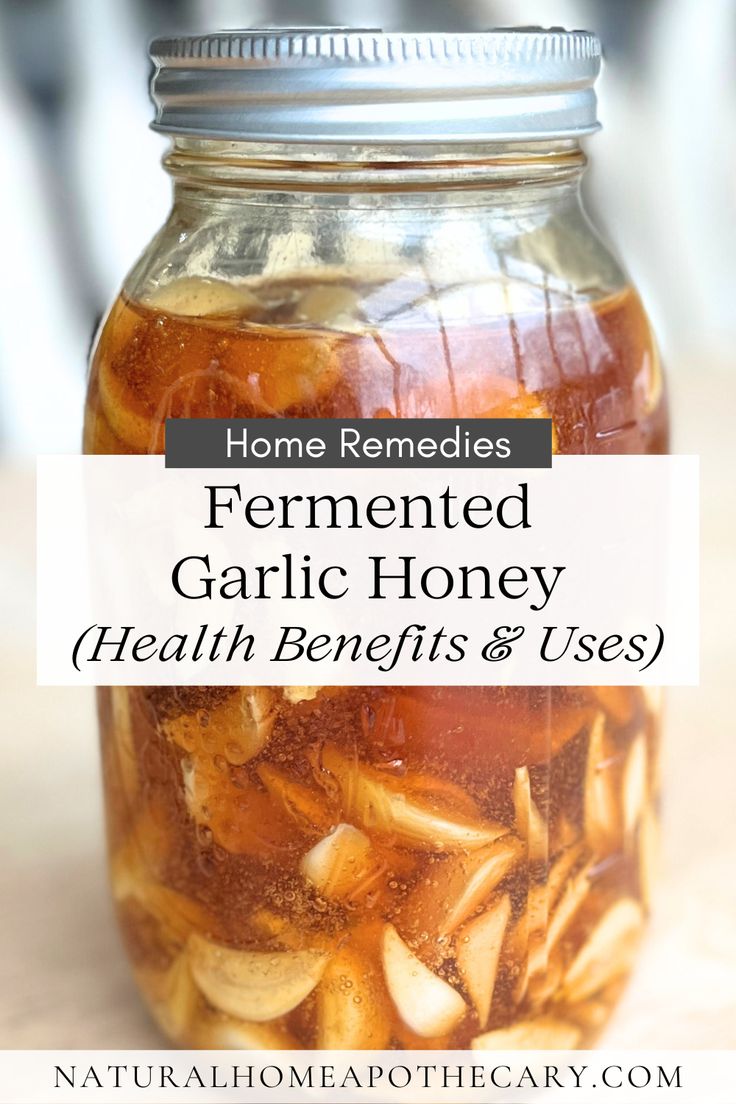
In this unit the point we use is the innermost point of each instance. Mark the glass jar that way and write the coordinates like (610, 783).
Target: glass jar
(385, 867)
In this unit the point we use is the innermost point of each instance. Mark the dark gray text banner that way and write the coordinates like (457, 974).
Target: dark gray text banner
(358, 443)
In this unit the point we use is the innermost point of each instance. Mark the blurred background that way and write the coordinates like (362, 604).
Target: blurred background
(84, 189)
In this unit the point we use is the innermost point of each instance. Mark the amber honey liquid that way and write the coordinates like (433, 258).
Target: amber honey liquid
(365, 867)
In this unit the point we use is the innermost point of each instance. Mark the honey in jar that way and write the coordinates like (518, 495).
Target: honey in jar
(379, 867)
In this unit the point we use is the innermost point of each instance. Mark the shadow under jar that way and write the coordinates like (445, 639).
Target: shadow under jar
(387, 867)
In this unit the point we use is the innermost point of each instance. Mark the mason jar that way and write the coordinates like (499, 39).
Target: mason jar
(371, 225)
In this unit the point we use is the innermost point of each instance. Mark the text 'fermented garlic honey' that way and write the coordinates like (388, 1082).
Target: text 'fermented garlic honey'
(352, 867)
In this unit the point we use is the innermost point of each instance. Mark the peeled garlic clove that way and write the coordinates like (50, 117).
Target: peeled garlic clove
(417, 826)
(175, 999)
(531, 950)
(329, 305)
(341, 862)
(127, 870)
(601, 810)
(240, 817)
(303, 804)
(607, 953)
(515, 956)
(477, 951)
(530, 824)
(122, 736)
(439, 793)
(144, 854)
(201, 296)
(244, 723)
(197, 778)
(537, 962)
(296, 694)
(214, 1031)
(238, 728)
(635, 785)
(378, 804)
(176, 914)
(561, 869)
(541, 1033)
(352, 1008)
(573, 896)
(543, 986)
(453, 888)
(254, 985)
(262, 701)
(427, 1004)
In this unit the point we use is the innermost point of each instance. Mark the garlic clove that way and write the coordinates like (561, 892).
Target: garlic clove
(341, 863)
(530, 824)
(122, 736)
(601, 800)
(414, 818)
(428, 1005)
(541, 1033)
(237, 728)
(202, 296)
(607, 952)
(175, 998)
(455, 886)
(305, 805)
(296, 694)
(352, 1006)
(477, 950)
(215, 1031)
(572, 898)
(254, 985)
(330, 305)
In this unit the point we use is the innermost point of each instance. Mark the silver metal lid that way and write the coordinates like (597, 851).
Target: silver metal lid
(336, 84)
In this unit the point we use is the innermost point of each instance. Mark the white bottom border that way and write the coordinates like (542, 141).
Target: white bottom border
(446, 1077)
